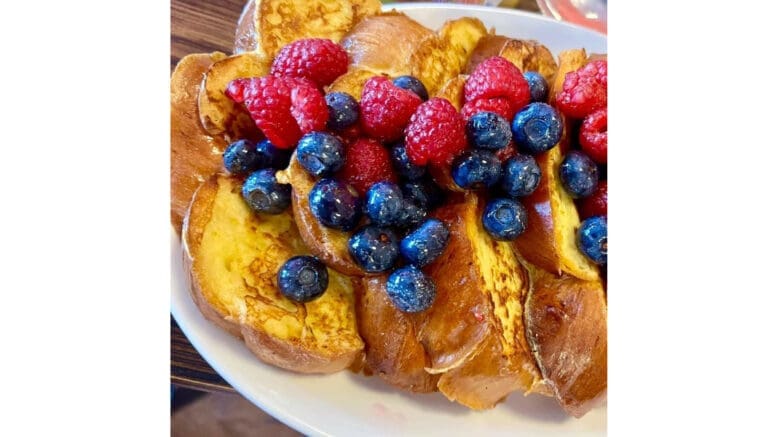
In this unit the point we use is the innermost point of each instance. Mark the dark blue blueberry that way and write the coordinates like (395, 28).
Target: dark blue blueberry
(241, 157)
(263, 193)
(592, 239)
(335, 204)
(537, 86)
(537, 128)
(406, 169)
(426, 243)
(520, 176)
(320, 153)
(375, 249)
(412, 214)
(424, 193)
(488, 131)
(303, 278)
(384, 203)
(343, 110)
(274, 157)
(476, 168)
(414, 85)
(504, 219)
(579, 174)
(410, 289)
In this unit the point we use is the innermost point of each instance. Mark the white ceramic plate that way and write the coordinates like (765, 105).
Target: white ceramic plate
(348, 404)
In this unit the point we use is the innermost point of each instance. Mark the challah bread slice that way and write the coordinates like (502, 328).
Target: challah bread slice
(233, 256)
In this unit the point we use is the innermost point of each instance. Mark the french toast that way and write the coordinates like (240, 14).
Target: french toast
(527, 55)
(233, 256)
(194, 153)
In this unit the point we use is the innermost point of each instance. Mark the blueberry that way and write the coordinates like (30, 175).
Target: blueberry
(592, 239)
(412, 214)
(263, 193)
(476, 168)
(579, 174)
(537, 86)
(375, 249)
(423, 193)
(520, 176)
(488, 131)
(335, 204)
(504, 219)
(303, 278)
(274, 157)
(241, 157)
(426, 243)
(537, 128)
(384, 203)
(406, 169)
(412, 84)
(343, 110)
(320, 153)
(410, 289)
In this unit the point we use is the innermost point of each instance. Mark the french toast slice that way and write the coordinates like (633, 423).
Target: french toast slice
(219, 115)
(194, 154)
(453, 91)
(527, 55)
(329, 245)
(233, 256)
(351, 82)
(566, 325)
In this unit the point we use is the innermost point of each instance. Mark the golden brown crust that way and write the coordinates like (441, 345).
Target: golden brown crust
(194, 154)
(453, 91)
(463, 35)
(352, 82)
(568, 60)
(527, 55)
(365, 8)
(566, 323)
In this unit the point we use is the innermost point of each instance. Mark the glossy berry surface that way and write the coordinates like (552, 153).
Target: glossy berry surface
(367, 162)
(317, 59)
(412, 215)
(343, 110)
(410, 289)
(303, 278)
(383, 204)
(406, 169)
(263, 193)
(386, 108)
(272, 156)
(476, 169)
(593, 136)
(520, 176)
(596, 203)
(592, 239)
(537, 128)
(488, 130)
(426, 243)
(321, 153)
(578, 174)
(584, 91)
(374, 249)
(498, 77)
(424, 193)
(335, 204)
(538, 86)
(436, 133)
(411, 83)
(504, 219)
(242, 157)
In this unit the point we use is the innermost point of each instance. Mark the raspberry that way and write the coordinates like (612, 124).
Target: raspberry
(366, 162)
(317, 59)
(498, 105)
(386, 108)
(584, 91)
(498, 77)
(595, 204)
(436, 133)
(284, 109)
(593, 135)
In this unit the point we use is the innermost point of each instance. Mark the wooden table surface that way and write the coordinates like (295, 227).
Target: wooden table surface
(199, 26)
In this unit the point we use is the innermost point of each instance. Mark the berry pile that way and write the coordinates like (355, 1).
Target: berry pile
(371, 157)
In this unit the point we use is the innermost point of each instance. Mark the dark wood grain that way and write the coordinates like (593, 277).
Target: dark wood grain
(188, 369)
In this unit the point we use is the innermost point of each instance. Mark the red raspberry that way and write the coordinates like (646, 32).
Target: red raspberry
(366, 162)
(436, 133)
(584, 90)
(497, 105)
(284, 109)
(595, 204)
(386, 108)
(498, 77)
(317, 59)
(593, 135)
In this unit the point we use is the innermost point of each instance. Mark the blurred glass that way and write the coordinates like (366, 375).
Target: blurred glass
(588, 13)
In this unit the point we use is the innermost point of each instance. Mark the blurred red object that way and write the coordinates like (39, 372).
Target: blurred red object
(588, 13)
